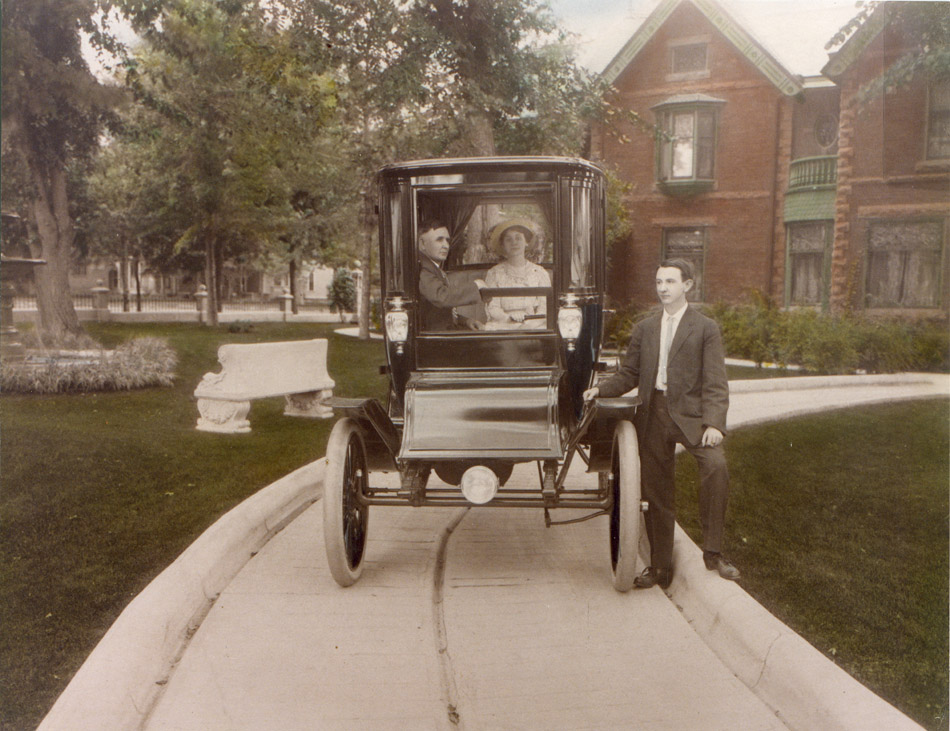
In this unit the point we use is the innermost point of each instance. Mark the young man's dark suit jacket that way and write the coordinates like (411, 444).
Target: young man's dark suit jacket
(697, 388)
(697, 396)
(440, 295)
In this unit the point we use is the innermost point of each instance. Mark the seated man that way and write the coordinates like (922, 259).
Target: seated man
(440, 294)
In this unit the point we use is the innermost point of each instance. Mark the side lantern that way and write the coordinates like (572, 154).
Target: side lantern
(569, 320)
(397, 323)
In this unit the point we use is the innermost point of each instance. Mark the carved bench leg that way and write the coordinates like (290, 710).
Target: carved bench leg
(226, 417)
(310, 404)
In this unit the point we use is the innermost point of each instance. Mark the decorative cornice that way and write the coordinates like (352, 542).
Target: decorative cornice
(784, 81)
(855, 45)
(750, 48)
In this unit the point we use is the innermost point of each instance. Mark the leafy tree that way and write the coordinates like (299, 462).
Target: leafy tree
(445, 78)
(928, 23)
(506, 75)
(385, 111)
(53, 112)
(125, 217)
(236, 112)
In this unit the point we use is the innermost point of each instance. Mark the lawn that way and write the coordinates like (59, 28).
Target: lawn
(839, 524)
(100, 492)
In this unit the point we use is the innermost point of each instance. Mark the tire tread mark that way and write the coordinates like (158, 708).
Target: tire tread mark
(449, 690)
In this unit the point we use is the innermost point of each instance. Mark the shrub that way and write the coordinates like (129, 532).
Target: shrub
(818, 343)
(342, 291)
(885, 346)
(823, 343)
(931, 346)
(618, 327)
(138, 363)
(750, 331)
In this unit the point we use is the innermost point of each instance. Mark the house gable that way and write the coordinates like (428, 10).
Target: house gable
(783, 80)
(855, 46)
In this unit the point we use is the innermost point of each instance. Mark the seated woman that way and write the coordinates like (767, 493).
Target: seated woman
(514, 241)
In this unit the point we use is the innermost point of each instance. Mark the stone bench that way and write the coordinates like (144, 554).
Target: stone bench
(295, 369)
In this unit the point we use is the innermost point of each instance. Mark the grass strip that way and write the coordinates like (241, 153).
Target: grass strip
(838, 522)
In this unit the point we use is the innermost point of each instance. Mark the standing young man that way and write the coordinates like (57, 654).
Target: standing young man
(676, 360)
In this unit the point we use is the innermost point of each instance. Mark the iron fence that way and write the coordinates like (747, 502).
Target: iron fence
(180, 303)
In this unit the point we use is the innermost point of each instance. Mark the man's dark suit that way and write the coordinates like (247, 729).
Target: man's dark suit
(440, 295)
(697, 396)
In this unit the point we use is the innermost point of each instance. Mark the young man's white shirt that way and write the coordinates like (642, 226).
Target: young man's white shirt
(667, 333)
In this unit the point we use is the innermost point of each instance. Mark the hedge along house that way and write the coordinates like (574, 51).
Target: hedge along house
(892, 208)
(742, 175)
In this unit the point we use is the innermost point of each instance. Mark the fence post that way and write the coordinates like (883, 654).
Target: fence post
(285, 300)
(201, 300)
(100, 301)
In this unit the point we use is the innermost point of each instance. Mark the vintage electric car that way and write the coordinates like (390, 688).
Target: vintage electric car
(473, 392)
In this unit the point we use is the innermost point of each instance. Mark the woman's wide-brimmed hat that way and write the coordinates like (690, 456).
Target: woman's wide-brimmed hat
(526, 225)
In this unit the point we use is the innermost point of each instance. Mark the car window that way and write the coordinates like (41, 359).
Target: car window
(479, 225)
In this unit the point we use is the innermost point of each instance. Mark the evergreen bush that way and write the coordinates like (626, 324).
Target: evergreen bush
(342, 291)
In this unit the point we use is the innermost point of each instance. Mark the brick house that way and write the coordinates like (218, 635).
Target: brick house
(742, 176)
(892, 210)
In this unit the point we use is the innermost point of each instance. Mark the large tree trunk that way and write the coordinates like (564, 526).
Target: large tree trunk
(55, 234)
(481, 134)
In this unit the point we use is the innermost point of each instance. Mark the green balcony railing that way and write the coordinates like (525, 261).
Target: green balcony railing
(813, 172)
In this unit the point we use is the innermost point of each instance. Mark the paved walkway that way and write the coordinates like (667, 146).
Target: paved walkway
(485, 619)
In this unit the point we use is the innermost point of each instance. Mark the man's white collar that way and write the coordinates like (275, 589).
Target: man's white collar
(678, 314)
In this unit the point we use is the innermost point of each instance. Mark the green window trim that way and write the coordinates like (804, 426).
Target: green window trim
(686, 141)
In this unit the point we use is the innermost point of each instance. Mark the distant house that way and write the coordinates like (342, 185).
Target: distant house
(758, 177)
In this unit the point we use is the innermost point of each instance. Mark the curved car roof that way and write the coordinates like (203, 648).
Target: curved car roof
(459, 164)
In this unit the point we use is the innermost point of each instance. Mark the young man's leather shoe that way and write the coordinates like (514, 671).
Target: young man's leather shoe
(653, 577)
(715, 562)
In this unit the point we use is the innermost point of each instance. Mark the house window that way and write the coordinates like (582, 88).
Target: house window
(938, 122)
(688, 58)
(688, 244)
(808, 259)
(904, 260)
(686, 144)
(826, 131)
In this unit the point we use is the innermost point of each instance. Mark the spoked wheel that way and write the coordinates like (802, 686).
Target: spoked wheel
(345, 519)
(624, 483)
